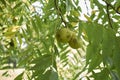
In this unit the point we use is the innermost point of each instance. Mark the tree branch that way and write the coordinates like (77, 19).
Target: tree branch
(116, 10)
(59, 12)
(86, 7)
(109, 19)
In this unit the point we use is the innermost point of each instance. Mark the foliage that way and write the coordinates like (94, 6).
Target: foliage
(27, 39)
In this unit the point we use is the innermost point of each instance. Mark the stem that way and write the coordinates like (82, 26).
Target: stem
(109, 19)
(59, 12)
(116, 10)
(86, 7)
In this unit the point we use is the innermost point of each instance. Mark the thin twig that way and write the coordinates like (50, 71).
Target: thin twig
(109, 19)
(116, 10)
(86, 7)
(59, 12)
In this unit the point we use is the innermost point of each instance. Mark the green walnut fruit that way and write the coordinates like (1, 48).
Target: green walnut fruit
(75, 42)
(63, 35)
(117, 7)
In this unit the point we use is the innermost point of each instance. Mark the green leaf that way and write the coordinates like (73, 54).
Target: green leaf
(103, 75)
(72, 19)
(53, 75)
(48, 75)
(92, 51)
(116, 56)
(5, 74)
(49, 5)
(3, 2)
(18, 5)
(35, 27)
(42, 62)
(95, 61)
(91, 4)
(38, 22)
(114, 75)
(108, 39)
(20, 20)
(63, 7)
(97, 33)
(20, 76)
(68, 6)
(89, 53)
(64, 54)
(89, 31)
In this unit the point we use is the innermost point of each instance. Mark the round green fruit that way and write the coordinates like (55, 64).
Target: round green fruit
(117, 7)
(75, 42)
(63, 35)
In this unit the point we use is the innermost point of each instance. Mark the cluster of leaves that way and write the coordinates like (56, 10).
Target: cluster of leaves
(102, 32)
(35, 48)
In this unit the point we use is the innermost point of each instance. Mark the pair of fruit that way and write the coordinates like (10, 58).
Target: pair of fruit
(65, 35)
